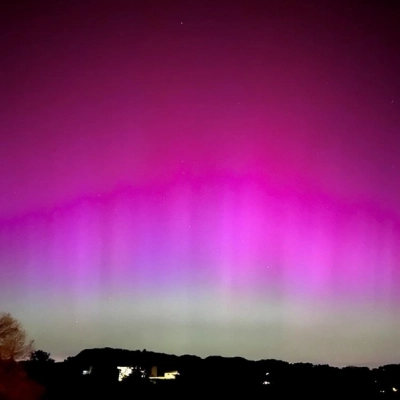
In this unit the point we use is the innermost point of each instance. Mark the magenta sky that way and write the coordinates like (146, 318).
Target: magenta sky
(196, 178)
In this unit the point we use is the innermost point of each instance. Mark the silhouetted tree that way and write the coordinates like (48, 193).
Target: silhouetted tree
(13, 339)
(14, 382)
(41, 356)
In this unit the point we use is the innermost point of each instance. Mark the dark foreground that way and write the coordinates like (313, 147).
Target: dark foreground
(95, 374)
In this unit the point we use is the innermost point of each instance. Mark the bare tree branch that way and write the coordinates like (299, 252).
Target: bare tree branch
(13, 339)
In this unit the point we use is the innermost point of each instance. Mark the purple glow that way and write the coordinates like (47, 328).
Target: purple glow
(231, 235)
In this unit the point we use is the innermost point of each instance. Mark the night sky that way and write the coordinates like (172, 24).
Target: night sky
(203, 177)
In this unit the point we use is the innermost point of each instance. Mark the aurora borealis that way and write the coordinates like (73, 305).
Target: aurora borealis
(203, 178)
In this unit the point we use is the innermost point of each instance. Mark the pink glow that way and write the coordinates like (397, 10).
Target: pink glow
(231, 234)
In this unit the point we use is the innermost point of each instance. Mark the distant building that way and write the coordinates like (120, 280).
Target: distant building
(124, 372)
(87, 371)
(153, 372)
(167, 375)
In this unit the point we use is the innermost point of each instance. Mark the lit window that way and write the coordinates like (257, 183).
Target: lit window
(124, 372)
